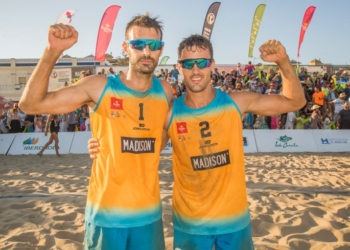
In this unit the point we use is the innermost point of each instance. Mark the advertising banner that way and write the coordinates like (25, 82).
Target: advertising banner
(332, 140)
(209, 20)
(79, 144)
(249, 141)
(58, 77)
(5, 142)
(32, 143)
(285, 140)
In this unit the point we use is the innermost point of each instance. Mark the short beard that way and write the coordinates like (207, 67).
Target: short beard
(145, 70)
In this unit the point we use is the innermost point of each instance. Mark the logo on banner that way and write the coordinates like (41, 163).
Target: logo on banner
(210, 18)
(54, 74)
(31, 141)
(329, 141)
(245, 141)
(285, 142)
(116, 103)
(106, 28)
(181, 127)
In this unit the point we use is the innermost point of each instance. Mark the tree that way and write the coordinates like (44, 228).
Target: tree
(122, 60)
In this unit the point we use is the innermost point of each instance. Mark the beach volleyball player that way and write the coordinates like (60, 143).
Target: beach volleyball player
(210, 206)
(127, 114)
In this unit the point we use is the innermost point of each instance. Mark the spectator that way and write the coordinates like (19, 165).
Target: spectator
(290, 121)
(271, 89)
(338, 105)
(21, 114)
(343, 119)
(38, 124)
(71, 121)
(318, 98)
(175, 73)
(302, 122)
(170, 78)
(182, 87)
(87, 122)
(249, 69)
(28, 126)
(63, 122)
(238, 70)
(316, 117)
(347, 92)
(328, 123)
(3, 124)
(111, 72)
(14, 122)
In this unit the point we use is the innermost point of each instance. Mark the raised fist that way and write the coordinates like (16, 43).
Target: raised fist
(273, 51)
(61, 37)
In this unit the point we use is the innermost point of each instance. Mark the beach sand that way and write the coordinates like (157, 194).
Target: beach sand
(297, 201)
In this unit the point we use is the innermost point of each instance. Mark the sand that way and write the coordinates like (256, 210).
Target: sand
(297, 201)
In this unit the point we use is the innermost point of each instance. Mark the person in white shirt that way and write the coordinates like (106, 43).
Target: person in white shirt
(290, 120)
(338, 105)
(87, 122)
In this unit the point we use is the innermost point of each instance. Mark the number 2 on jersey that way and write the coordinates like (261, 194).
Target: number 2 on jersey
(205, 127)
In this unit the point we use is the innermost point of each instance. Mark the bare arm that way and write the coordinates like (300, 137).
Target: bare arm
(292, 98)
(36, 99)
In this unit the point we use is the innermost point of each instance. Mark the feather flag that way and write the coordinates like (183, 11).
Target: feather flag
(210, 20)
(164, 60)
(305, 24)
(66, 17)
(105, 32)
(259, 12)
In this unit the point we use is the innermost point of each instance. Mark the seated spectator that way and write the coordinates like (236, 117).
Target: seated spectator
(338, 105)
(271, 89)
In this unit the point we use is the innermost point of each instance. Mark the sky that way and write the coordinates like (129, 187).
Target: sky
(24, 25)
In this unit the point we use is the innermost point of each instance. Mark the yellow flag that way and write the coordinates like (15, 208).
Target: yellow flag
(259, 12)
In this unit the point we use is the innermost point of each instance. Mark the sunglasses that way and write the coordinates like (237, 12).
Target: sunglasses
(140, 44)
(200, 62)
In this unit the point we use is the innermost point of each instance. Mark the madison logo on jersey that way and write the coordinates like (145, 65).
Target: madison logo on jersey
(116, 103)
(137, 145)
(181, 127)
(209, 161)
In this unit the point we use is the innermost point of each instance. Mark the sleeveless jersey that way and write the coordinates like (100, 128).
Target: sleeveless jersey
(124, 186)
(209, 196)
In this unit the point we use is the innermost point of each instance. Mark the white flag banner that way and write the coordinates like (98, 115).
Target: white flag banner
(66, 17)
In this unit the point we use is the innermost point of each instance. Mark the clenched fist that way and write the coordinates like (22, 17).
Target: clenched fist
(273, 51)
(61, 37)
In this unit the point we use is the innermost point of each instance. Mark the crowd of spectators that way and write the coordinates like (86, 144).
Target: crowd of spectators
(327, 101)
(327, 97)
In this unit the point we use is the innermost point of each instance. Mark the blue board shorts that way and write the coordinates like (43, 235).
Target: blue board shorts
(147, 237)
(240, 240)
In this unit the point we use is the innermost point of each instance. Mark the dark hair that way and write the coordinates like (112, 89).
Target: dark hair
(145, 21)
(198, 41)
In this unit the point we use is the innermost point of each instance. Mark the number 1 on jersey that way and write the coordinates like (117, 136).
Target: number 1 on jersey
(141, 118)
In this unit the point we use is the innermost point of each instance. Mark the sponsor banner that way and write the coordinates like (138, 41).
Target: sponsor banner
(168, 148)
(332, 140)
(5, 142)
(285, 140)
(58, 77)
(32, 143)
(80, 143)
(249, 141)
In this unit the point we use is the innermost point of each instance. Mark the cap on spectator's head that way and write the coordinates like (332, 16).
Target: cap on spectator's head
(315, 107)
(342, 95)
(7, 105)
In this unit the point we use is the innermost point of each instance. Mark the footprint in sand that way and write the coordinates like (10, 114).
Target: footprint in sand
(66, 217)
